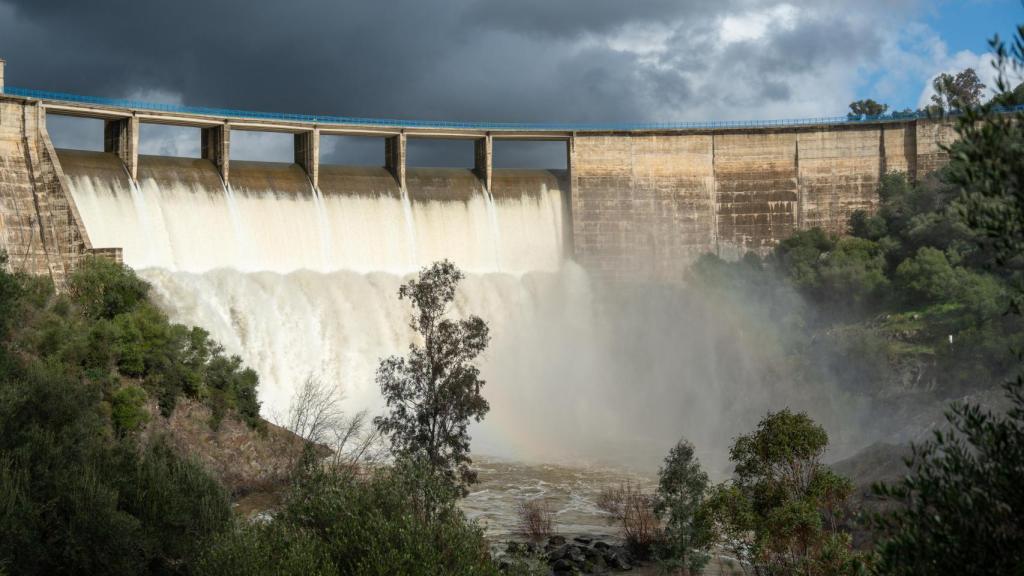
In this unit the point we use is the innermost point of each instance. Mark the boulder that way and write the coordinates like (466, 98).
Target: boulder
(563, 566)
(617, 561)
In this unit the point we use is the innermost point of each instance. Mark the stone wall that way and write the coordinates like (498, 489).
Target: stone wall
(40, 228)
(645, 206)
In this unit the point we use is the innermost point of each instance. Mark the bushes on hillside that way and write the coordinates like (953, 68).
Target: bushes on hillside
(106, 330)
(398, 520)
(76, 499)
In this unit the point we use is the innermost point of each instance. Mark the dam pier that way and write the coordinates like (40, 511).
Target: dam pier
(635, 202)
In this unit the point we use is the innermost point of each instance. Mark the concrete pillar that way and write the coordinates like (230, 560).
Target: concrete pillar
(394, 157)
(121, 137)
(2, 62)
(307, 154)
(483, 152)
(217, 148)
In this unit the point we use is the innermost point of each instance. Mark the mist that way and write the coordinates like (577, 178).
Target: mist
(579, 370)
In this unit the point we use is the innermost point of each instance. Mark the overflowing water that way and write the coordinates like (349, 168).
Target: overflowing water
(303, 282)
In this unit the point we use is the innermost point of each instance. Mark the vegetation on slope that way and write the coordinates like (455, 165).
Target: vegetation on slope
(909, 302)
(86, 486)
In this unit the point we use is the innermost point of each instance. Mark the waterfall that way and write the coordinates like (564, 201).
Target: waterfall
(410, 226)
(302, 282)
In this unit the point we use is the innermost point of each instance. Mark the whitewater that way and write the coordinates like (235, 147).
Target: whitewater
(302, 282)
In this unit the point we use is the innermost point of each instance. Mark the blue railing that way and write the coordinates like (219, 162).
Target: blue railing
(490, 126)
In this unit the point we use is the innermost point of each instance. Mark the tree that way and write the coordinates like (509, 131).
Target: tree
(316, 414)
(434, 392)
(962, 502)
(105, 288)
(927, 277)
(960, 92)
(866, 108)
(687, 529)
(787, 499)
(987, 164)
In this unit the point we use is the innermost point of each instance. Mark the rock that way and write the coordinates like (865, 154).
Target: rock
(563, 566)
(575, 554)
(601, 545)
(583, 540)
(556, 540)
(616, 561)
(514, 548)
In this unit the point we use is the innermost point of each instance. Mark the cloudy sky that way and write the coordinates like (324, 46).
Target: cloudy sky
(492, 60)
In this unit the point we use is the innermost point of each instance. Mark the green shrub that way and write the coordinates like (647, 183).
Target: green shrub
(687, 528)
(105, 289)
(783, 504)
(128, 408)
(82, 501)
(266, 549)
(926, 278)
(396, 520)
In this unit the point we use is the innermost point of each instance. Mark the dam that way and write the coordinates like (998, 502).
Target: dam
(295, 266)
(636, 202)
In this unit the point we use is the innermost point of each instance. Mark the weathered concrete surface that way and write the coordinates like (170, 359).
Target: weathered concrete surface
(216, 147)
(931, 136)
(483, 163)
(646, 206)
(838, 173)
(121, 137)
(395, 156)
(40, 228)
(756, 184)
(307, 154)
(642, 204)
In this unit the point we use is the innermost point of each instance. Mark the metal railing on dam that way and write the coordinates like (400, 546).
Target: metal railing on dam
(489, 126)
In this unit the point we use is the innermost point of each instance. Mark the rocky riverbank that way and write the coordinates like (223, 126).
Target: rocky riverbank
(580, 555)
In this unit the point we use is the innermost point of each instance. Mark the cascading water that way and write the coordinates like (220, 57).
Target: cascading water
(303, 282)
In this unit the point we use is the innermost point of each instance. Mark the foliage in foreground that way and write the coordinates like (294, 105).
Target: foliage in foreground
(79, 491)
(687, 530)
(398, 520)
(434, 393)
(962, 505)
(781, 511)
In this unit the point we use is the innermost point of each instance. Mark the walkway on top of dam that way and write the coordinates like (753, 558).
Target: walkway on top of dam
(178, 114)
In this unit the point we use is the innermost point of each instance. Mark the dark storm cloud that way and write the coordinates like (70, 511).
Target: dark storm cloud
(527, 60)
(566, 18)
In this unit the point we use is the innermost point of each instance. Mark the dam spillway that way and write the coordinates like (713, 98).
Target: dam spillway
(302, 282)
(180, 216)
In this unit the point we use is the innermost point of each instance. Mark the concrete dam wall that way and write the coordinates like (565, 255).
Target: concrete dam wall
(647, 205)
(633, 205)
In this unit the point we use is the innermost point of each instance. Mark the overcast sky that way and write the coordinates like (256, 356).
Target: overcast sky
(491, 60)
